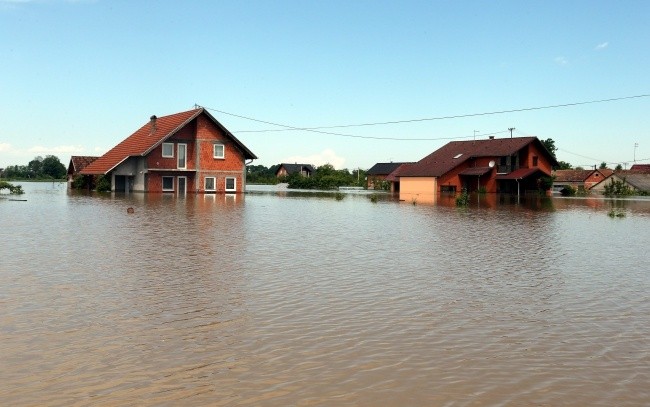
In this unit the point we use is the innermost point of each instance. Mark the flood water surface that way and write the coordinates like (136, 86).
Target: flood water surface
(277, 298)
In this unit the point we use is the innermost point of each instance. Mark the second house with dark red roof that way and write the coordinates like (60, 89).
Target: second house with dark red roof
(180, 153)
(509, 165)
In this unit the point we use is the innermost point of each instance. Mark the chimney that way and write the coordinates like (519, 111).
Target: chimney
(491, 137)
(153, 123)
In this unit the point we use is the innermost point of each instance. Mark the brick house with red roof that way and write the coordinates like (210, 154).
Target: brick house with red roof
(508, 165)
(78, 163)
(579, 179)
(179, 153)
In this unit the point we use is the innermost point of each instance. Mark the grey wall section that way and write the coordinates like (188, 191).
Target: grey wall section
(135, 167)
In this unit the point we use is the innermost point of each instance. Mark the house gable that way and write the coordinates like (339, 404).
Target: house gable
(151, 135)
(177, 153)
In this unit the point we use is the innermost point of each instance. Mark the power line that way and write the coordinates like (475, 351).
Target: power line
(293, 128)
(599, 161)
(315, 130)
(581, 156)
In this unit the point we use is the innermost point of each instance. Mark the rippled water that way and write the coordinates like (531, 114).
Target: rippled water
(283, 298)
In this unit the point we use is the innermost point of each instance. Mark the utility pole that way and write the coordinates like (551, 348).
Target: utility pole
(511, 129)
(635, 146)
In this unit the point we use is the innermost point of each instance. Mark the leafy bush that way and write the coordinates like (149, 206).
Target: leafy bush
(103, 183)
(568, 191)
(13, 189)
(546, 183)
(618, 188)
(463, 198)
(325, 177)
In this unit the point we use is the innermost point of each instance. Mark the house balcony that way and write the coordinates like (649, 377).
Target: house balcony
(506, 169)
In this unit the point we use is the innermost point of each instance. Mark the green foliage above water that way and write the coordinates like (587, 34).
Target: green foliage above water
(325, 177)
(617, 188)
(39, 168)
(13, 189)
(463, 198)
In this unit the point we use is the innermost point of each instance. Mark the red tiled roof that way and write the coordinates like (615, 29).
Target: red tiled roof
(442, 160)
(149, 136)
(79, 162)
(572, 175)
(641, 168)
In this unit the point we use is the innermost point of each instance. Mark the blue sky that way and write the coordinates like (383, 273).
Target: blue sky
(77, 77)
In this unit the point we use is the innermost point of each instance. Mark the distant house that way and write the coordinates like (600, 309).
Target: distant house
(78, 163)
(183, 152)
(508, 165)
(306, 170)
(641, 168)
(379, 172)
(579, 179)
(638, 181)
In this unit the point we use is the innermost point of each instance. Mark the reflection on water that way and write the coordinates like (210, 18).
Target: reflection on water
(283, 298)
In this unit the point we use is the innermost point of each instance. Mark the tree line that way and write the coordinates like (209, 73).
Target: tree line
(39, 168)
(324, 177)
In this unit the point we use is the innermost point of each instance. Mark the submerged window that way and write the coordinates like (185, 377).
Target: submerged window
(168, 184)
(210, 184)
(231, 184)
(168, 150)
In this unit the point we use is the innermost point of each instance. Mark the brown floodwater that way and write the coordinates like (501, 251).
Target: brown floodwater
(279, 298)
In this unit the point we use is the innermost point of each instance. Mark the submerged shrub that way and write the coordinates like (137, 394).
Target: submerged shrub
(568, 191)
(463, 198)
(103, 183)
(13, 189)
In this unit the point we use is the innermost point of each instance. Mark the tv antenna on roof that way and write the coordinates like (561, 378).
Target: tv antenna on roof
(511, 129)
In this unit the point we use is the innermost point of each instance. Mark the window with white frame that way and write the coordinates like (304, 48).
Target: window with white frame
(219, 151)
(168, 184)
(168, 150)
(231, 184)
(210, 184)
(182, 156)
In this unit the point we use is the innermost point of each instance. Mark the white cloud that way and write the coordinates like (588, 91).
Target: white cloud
(602, 45)
(5, 147)
(327, 156)
(561, 60)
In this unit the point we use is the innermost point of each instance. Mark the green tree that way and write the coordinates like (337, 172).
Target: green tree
(619, 167)
(259, 174)
(325, 177)
(603, 165)
(53, 168)
(549, 143)
(35, 167)
(16, 172)
(563, 165)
